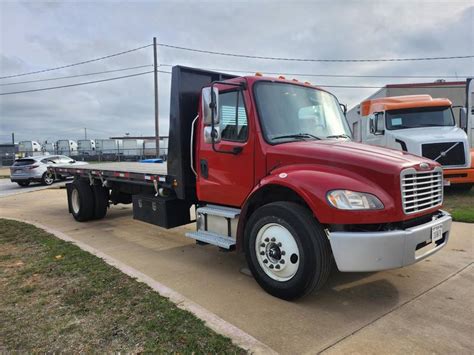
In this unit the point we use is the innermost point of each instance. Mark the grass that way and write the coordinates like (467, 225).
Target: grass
(54, 297)
(460, 205)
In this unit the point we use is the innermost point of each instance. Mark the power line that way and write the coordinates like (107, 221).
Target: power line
(79, 84)
(79, 63)
(337, 75)
(76, 76)
(313, 60)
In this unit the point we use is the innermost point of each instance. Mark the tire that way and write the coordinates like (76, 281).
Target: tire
(82, 201)
(47, 179)
(101, 201)
(290, 226)
(23, 183)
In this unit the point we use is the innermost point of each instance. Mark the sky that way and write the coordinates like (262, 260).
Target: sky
(40, 35)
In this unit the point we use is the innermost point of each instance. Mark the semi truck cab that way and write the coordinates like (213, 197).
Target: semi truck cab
(271, 171)
(420, 125)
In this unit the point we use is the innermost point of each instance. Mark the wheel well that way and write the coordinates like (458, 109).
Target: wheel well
(266, 195)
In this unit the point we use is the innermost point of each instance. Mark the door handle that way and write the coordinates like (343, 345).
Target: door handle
(204, 168)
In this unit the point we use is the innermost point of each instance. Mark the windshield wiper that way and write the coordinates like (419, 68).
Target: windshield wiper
(430, 125)
(339, 136)
(297, 135)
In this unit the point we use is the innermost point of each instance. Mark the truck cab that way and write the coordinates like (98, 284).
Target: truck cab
(420, 125)
(271, 171)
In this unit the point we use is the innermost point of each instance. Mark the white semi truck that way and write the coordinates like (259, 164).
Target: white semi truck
(420, 125)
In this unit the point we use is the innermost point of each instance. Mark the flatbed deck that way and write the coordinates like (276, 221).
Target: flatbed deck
(143, 173)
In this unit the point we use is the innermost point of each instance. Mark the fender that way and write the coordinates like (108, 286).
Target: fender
(312, 182)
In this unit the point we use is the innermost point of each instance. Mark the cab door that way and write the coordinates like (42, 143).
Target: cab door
(226, 171)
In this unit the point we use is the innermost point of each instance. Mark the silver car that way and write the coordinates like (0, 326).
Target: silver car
(35, 169)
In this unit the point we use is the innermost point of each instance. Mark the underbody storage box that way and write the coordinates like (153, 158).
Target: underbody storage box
(167, 212)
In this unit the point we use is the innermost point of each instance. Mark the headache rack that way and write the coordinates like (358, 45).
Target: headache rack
(421, 190)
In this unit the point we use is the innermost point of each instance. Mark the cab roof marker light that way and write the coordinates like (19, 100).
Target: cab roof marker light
(258, 74)
(281, 77)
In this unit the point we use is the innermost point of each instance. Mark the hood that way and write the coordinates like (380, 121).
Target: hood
(430, 134)
(347, 155)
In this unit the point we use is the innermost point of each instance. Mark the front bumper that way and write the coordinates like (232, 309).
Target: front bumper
(459, 176)
(374, 251)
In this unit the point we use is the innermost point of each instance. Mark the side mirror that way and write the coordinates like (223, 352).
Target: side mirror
(463, 118)
(210, 103)
(72, 161)
(344, 108)
(376, 124)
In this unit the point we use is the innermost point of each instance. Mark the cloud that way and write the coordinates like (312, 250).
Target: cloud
(35, 36)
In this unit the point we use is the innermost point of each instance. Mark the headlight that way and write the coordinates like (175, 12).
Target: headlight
(351, 200)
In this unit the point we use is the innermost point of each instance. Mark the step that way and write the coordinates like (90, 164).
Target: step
(212, 238)
(214, 210)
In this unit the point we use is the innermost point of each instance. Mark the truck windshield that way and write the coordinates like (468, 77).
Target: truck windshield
(292, 112)
(419, 117)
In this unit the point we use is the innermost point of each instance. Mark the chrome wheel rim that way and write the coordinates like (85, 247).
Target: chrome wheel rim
(75, 201)
(48, 179)
(277, 252)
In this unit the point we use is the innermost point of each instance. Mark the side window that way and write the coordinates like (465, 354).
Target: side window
(233, 117)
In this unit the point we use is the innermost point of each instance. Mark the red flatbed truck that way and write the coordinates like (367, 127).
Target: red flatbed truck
(270, 168)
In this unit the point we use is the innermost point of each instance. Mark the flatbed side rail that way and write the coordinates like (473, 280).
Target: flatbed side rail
(112, 175)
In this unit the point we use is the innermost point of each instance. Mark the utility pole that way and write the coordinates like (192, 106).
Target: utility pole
(157, 121)
(13, 138)
(85, 133)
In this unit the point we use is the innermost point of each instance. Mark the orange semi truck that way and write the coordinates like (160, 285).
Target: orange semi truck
(420, 125)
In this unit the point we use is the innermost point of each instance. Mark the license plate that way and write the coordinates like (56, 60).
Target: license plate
(446, 182)
(436, 233)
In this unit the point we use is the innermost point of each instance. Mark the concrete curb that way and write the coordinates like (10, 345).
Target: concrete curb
(219, 325)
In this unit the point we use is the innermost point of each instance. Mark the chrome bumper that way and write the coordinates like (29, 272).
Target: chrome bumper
(374, 251)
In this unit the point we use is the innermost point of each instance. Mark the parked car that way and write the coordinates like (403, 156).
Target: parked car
(34, 169)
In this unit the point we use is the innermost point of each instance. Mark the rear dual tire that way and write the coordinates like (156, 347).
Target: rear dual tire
(287, 250)
(88, 202)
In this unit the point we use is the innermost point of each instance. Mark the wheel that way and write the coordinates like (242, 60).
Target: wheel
(23, 183)
(47, 178)
(82, 201)
(287, 250)
(101, 201)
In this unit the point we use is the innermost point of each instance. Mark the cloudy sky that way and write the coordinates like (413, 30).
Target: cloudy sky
(39, 35)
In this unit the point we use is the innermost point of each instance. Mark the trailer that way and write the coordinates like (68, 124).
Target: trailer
(67, 147)
(29, 148)
(268, 166)
(86, 147)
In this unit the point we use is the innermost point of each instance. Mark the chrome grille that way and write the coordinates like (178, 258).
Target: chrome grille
(421, 190)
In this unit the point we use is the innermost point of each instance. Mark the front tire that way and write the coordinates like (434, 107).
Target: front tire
(287, 250)
(82, 201)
